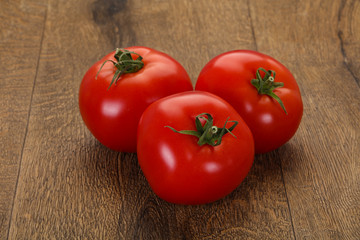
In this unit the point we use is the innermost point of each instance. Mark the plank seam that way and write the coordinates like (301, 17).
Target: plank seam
(345, 62)
(27, 123)
(342, 48)
(287, 200)
(252, 25)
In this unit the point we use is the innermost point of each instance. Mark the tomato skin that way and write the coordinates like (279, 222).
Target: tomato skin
(176, 167)
(112, 115)
(229, 76)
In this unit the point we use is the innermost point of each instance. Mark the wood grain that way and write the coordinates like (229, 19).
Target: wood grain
(349, 35)
(61, 183)
(20, 42)
(68, 184)
(321, 164)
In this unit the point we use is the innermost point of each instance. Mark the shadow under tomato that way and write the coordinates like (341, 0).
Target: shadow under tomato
(117, 180)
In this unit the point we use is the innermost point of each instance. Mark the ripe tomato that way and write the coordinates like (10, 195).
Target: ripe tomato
(261, 89)
(185, 158)
(116, 90)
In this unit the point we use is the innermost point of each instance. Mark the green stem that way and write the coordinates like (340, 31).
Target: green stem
(267, 84)
(124, 64)
(207, 133)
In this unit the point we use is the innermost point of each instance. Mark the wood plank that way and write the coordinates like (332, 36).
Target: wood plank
(20, 41)
(321, 163)
(68, 185)
(191, 32)
(71, 186)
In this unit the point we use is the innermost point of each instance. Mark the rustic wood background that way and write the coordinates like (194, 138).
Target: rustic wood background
(58, 182)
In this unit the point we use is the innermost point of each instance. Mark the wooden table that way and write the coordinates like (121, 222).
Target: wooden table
(58, 182)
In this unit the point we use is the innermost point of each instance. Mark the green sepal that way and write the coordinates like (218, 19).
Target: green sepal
(124, 64)
(187, 132)
(267, 84)
(207, 133)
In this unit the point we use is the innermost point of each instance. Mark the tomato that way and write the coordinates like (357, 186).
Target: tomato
(117, 89)
(185, 149)
(261, 89)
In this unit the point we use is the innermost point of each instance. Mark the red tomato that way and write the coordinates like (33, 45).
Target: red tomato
(182, 169)
(112, 113)
(274, 112)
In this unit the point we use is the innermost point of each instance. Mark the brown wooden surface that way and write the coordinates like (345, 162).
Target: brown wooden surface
(58, 182)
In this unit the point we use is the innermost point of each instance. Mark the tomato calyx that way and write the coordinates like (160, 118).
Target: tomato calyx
(207, 133)
(267, 84)
(124, 64)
